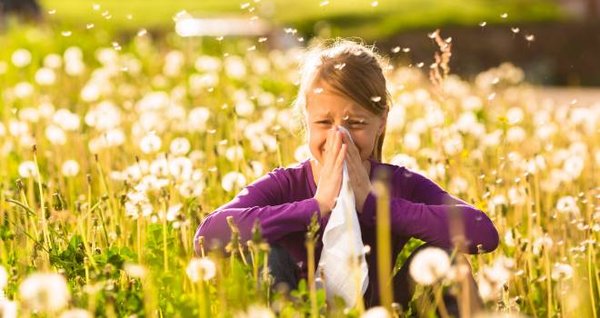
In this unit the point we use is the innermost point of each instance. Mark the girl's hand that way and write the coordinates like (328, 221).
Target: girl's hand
(358, 173)
(330, 171)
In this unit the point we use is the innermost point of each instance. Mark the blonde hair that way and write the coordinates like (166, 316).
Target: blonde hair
(352, 69)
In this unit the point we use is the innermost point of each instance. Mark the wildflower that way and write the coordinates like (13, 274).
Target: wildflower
(55, 135)
(562, 271)
(376, 312)
(45, 76)
(244, 108)
(567, 205)
(234, 153)
(173, 212)
(197, 119)
(76, 313)
(21, 58)
(573, 166)
(180, 146)
(235, 67)
(66, 120)
(45, 292)
(135, 270)
(429, 265)
(256, 311)
(201, 269)
(3, 279)
(8, 308)
(233, 179)
(70, 168)
(302, 153)
(23, 90)
(544, 242)
(28, 169)
(150, 143)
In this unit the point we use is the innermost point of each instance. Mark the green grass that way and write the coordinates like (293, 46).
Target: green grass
(344, 18)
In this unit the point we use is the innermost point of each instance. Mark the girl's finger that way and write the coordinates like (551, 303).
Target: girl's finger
(339, 161)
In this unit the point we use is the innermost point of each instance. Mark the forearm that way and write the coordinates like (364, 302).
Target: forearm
(275, 221)
(432, 223)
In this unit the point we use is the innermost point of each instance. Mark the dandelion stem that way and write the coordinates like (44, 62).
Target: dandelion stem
(384, 250)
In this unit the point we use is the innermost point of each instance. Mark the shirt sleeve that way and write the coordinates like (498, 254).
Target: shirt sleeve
(264, 201)
(427, 212)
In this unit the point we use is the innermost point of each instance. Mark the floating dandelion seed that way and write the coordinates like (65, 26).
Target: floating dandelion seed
(142, 32)
(89, 26)
(376, 99)
(504, 15)
(530, 37)
(515, 30)
(95, 7)
(129, 17)
(339, 66)
(324, 3)
(346, 117)
(420, 64)
(482, 24)
(433, 34)
(262, 39)
(52, 11)
(406, 50)
(318, 90)
(220, 38)
(245, 5)
(491, 96)
(374, 4)
(396, 49)
(301, 39)
(252, 48)
(66, 34)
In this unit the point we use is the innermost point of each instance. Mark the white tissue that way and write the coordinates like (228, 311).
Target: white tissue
(342, 245)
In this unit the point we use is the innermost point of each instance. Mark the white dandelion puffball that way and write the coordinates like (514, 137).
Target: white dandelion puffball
(135, 270)
(150, 143)
(3, 278)
(429, 265)
(45, 76)
(567, 205)
(45, 292)
(233, 179)
(70, 168)
(180, 146)
(201, 269)
(76, 313)
(376, 312)
(21, 58)
(28, 169)
(562, 271)
(8, 308)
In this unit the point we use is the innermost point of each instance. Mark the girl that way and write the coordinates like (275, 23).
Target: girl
(343, 85)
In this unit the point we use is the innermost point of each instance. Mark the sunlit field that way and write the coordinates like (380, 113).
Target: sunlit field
(113, 151)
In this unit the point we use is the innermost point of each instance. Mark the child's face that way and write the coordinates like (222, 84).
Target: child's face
(326, 108)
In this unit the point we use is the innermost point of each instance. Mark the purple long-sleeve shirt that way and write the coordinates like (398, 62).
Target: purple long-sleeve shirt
(283, 202)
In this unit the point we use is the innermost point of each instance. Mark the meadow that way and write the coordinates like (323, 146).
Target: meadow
(113, 151)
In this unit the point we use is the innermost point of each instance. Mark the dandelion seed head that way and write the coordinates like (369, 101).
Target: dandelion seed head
(150, 143)
(201, 269)
(28, 169)
(429, 265)
(233, 180)
(21, 58)
(70, 168)
(45, 292)
(376, 312)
